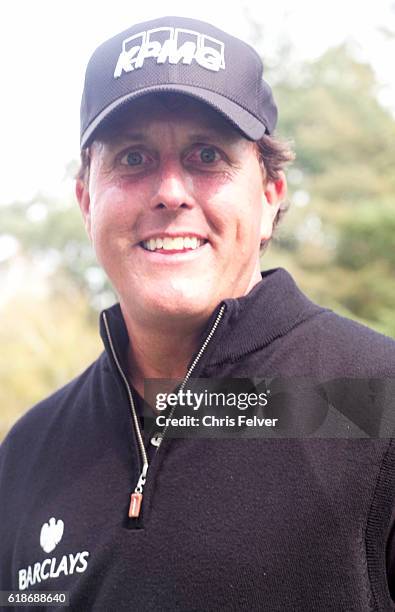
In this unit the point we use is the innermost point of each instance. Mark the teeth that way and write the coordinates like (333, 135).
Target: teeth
(178, 243)
(169, 244)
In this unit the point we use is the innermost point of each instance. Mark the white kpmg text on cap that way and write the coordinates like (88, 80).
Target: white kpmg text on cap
(172, 45)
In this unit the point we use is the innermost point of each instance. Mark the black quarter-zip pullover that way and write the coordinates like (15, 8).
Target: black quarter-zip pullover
(226, 524)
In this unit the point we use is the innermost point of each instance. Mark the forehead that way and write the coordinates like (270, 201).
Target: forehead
(149, 112)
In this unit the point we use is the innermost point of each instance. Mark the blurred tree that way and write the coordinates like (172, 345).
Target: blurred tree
(52, 231)
(339, 235)
(50, 325)
(45, 342)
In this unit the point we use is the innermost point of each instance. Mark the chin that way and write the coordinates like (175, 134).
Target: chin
(179, 299)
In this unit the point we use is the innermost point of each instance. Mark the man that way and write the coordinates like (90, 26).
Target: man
(180, 186)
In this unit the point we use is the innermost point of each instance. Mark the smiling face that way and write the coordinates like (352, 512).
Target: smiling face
(176, 207)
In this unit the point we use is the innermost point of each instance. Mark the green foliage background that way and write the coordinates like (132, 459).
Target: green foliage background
(338, 238)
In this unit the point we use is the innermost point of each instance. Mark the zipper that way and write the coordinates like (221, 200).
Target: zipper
(136, 497)
(195, 362)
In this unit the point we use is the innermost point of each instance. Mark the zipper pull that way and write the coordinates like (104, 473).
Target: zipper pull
(136, 498)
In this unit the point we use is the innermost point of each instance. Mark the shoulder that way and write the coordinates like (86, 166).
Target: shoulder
(49, 416)
(350, 347)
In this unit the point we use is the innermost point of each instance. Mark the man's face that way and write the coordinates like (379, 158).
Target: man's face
(175, 207)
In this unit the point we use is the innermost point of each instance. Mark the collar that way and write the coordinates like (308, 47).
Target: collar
(270, 310)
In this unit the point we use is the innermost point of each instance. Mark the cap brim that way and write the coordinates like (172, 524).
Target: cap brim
(243, 120)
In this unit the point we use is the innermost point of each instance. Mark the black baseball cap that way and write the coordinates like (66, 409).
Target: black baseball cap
(183, 55)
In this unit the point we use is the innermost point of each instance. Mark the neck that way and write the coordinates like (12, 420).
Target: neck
(162, 348)
(161, 351)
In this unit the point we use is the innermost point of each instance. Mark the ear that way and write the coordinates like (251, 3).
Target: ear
(83, 198)
(274, 194)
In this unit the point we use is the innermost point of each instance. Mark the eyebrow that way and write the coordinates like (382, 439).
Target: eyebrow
(121, 136)
(228, 136)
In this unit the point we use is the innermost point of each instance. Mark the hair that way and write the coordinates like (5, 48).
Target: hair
(273, 154)
(82, 173)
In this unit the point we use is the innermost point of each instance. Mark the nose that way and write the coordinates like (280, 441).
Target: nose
(173, 189)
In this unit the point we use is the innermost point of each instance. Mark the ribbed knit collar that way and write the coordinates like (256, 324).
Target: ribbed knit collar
(270, 310)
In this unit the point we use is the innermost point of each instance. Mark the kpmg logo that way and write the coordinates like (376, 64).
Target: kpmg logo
(170, 45)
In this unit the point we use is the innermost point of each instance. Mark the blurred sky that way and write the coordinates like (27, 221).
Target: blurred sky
(45, 45)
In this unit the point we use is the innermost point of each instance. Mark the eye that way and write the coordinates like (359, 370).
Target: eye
(204, 154)
(208, 155)
(133, 158)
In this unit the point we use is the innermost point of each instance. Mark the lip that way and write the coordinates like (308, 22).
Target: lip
(173, 256)
(173, 234)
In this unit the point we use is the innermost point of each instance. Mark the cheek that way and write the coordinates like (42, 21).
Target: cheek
(243, 214)
(109, 211)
